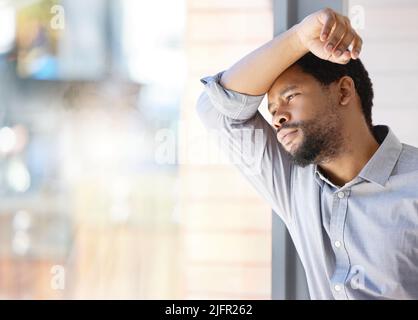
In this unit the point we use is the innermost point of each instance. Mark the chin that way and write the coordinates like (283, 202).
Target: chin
(292, 148)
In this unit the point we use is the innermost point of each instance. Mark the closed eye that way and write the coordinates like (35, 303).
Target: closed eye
(288, 99)
(291, 96)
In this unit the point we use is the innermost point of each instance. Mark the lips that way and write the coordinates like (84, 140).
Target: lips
(286, 136)
(289, 137)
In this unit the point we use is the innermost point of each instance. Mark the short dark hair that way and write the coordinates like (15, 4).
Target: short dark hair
(327, 72)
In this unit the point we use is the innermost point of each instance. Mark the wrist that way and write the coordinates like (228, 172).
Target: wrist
(298, 42)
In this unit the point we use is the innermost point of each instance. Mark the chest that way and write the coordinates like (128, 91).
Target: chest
(364, 228)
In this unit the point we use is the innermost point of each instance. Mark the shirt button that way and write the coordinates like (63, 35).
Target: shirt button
(341, 194)
(337, 243)
(337, 287)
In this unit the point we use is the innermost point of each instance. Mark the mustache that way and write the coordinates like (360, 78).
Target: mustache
(289, 126)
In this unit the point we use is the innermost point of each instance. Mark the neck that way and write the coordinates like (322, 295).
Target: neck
(359, 147)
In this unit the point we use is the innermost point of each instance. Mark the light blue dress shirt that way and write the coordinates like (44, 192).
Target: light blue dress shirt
(358, 241)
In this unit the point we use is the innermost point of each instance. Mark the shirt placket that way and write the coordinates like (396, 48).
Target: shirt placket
(337, 223)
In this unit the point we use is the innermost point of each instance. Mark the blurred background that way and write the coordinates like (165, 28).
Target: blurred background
(104, 192)
(110, 187)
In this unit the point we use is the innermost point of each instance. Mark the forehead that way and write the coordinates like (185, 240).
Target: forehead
(291, 77)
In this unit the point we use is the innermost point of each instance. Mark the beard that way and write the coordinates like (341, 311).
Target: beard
(322, 140)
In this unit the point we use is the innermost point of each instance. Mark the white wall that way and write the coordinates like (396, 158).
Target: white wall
(390, 54)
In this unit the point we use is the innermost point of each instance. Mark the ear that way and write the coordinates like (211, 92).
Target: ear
(347, 90)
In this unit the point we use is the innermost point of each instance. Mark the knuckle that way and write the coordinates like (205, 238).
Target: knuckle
(327, 10)
(346, 23)
(329, 13)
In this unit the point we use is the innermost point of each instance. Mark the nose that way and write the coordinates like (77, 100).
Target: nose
(280, 119)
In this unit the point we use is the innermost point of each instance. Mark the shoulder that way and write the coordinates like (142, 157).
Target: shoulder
(408, 159)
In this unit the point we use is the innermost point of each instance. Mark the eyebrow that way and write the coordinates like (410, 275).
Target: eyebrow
(282, 93)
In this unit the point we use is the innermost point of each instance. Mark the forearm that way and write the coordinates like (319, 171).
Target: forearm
(255, 73)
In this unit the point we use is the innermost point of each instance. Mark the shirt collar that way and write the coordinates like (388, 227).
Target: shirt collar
(380, 166)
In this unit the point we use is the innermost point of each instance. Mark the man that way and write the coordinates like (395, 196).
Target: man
(346, 190)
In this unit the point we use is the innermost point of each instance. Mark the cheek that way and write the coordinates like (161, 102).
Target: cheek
(303, 111)
(311, 108)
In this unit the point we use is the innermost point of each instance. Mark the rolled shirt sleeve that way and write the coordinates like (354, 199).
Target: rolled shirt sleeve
(248, 139)
(230, 103)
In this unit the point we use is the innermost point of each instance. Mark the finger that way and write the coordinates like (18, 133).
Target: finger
(357, 44)
(344, 43)
(327, 18)
(345, 57)
(335, 36)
